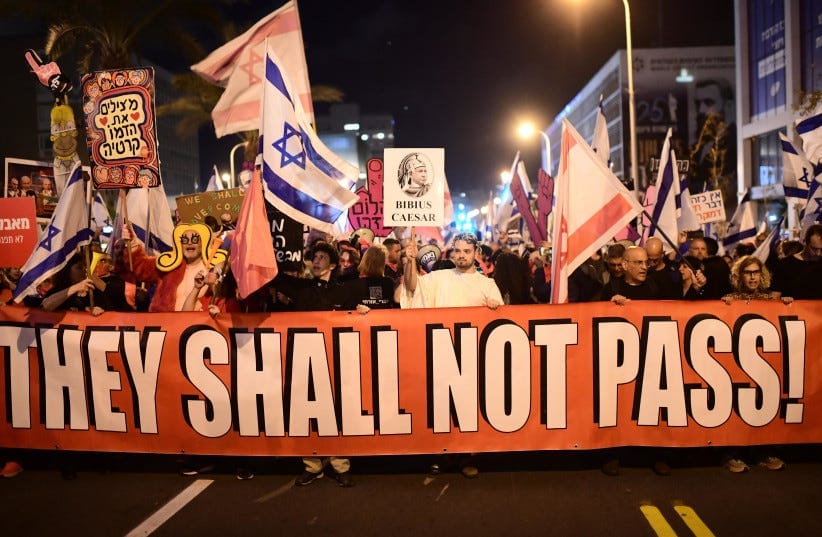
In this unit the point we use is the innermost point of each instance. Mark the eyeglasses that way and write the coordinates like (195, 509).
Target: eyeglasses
(639, 263)
(193, 239)
(654, 260)
(751, 272)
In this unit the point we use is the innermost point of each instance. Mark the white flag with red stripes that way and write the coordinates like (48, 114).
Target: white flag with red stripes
(591, 206)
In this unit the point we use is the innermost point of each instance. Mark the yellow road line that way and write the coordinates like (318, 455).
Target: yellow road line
(657, 521)
(692, 520)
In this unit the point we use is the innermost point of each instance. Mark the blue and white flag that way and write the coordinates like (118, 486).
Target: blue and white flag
(743, 223)
(150, 216)
(301, 176)
(812, 213)
(668, 206)
(600, 142)
(797, 172)
(67, 230)
(763, 251)
(100, 216)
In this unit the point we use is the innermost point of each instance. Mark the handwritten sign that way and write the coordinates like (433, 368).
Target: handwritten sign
(287, 235)
(367, 212)
(708, 206)
(222, 205)
(122, 133)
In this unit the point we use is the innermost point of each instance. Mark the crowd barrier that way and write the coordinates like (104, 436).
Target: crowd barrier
(541, 377)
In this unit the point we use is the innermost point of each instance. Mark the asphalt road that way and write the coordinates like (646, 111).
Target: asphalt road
(542, 494)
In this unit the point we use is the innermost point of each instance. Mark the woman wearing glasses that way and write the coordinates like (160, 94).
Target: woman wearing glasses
(751, 280)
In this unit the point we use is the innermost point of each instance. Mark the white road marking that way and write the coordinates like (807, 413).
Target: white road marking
(167, 511)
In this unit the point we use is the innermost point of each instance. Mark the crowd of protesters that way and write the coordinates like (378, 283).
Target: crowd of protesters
(349, 273)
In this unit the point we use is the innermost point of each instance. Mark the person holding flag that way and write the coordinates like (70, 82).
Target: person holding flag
(67, 231)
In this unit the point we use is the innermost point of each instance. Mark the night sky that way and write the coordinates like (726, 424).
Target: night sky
(462, 74)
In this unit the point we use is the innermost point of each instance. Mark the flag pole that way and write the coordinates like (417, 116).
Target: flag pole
(148, 218)
(667, 239)
(88, 246)
(127, 224)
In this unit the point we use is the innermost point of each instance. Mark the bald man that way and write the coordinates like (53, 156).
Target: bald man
(661, 271)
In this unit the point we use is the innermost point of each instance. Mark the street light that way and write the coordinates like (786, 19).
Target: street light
(631, 102)
(526, 130)
(231, 162)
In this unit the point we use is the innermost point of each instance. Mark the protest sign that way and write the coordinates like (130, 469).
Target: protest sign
(121, 128)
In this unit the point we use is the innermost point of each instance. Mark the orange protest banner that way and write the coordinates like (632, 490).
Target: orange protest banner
(574, 376)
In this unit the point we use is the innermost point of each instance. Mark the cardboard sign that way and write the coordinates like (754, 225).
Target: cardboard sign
(708, 206)
(368, 211)
(414, 187)
(18, 231)
(121, 130)
(223, 205)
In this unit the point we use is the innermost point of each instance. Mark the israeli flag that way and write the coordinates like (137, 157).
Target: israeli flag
(67, 231)
(100, 217)
(743, 223)
(668, 206)
(150, 216)
(301, 176)
(797, 172)
(812, 213)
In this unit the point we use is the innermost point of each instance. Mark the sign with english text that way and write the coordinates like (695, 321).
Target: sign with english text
(463, 380)
(121, 128)
(414, 187)
(222, 205)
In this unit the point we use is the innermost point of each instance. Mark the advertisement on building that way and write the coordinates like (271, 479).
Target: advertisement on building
(691, 91)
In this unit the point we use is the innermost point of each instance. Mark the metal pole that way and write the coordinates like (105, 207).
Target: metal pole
(634, 169)
(231, 163)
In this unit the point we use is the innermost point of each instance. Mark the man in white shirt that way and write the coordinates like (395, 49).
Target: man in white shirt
(461, 286)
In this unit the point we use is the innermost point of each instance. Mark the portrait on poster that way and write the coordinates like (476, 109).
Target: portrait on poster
(414, 187)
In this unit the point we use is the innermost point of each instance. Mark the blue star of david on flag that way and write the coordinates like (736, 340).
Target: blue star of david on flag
(51, 232)
(281, 145)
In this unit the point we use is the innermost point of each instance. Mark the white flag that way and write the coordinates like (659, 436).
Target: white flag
(301, 176)
(600, 142)
(67, 230)
(214, 182)
(240, 63)
(592, 205)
